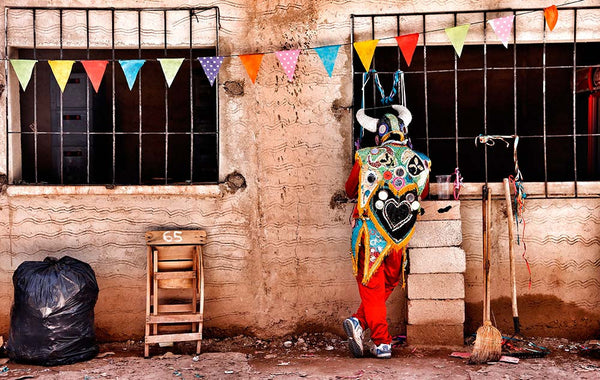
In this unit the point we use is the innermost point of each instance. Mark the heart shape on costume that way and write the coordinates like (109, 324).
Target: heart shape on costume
(396, 214)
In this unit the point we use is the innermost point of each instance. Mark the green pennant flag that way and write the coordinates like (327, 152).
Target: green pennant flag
(23, 68)
(457, 36)
(61, 70)
(170, 67)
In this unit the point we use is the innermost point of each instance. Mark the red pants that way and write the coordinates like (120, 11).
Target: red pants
(372, 312)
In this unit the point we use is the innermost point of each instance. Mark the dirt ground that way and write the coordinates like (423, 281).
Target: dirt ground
(316, 356)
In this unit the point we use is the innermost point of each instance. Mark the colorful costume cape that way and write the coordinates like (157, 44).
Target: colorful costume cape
(392, 177)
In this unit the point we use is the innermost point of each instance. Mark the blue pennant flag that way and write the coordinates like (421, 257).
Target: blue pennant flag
(130, 69)
(328, 54)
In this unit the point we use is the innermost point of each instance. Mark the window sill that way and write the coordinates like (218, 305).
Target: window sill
(195, 190)
(585, 189)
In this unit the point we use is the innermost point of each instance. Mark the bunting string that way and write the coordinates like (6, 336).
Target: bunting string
(288, 58)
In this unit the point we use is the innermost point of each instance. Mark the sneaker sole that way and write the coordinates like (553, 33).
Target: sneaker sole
(386, 356)
(354, 347)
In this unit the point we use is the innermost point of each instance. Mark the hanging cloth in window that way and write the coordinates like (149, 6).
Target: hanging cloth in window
(398, 83)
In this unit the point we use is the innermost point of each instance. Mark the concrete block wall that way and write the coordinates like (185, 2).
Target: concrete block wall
(436, 283)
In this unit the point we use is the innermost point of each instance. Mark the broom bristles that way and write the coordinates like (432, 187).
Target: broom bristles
(488, 345)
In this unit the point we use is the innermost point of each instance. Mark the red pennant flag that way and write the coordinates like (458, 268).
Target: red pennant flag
(408, 44)
(95, 71)
(551, 14)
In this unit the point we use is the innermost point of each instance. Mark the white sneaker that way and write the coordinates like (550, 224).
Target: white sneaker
(383, 351)
(354, 331)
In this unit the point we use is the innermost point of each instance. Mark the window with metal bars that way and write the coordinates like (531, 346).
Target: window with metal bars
(150, 135)
(544, 91)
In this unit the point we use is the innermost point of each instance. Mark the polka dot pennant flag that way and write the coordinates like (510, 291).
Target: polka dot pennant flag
(502, 27)
(211, 67)
(131, 67)
(170, 67)
(288, 59)
(61, 70)
(252, 64)
(457, 36)
(551, 14)
(23, 68)
(407, 45)
(328, 54)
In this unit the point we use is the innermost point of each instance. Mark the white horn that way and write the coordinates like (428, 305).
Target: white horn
(369, 123)
(403, 113)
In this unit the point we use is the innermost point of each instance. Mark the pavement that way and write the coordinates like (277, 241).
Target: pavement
(314, 356)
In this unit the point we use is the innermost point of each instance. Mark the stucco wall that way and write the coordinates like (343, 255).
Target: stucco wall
(563, 250)
(277, 258)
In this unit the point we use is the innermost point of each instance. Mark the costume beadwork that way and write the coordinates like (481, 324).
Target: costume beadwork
(392, 177)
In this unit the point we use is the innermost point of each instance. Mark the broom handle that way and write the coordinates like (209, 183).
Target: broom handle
(484, 195)
(511, 253)
(488, 250)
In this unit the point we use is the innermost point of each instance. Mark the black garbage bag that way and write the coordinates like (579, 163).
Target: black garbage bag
(52, 318)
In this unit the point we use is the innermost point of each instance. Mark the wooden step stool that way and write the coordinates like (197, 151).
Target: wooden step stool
(174, 262)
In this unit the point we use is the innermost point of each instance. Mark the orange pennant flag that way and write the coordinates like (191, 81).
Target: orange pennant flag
(551, 14)
(407, 45)
(365, 51)
(252, 63)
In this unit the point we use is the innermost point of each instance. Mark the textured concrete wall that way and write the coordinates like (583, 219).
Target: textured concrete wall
(277, 256)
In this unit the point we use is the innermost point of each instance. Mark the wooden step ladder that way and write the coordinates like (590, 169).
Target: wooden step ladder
(174, 287)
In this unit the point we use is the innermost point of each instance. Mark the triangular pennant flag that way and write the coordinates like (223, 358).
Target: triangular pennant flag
(211, 66)
(23, 68)
(328, 54)
(252, 64)
(365, 51)
(131, 68)
(502, 27)
(408, 44)
(61, 70)
(288, 59)
(551, 14)
(170, 67)
(457, 36)
(95, 71)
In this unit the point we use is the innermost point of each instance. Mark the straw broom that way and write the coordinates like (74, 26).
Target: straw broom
(488, 342)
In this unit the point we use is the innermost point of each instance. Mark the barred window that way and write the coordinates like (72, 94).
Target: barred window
(541, 88)
(150, 135)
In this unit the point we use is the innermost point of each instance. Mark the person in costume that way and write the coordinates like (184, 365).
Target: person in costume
(389, 180)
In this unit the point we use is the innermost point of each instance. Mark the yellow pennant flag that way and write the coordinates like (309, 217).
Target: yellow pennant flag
(365, 51)
(62, 71)
(457, 36)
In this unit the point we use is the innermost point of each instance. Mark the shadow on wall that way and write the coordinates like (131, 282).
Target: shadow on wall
(539, 315)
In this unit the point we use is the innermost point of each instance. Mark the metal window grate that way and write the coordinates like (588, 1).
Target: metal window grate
(202, 129)
(549, 150)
